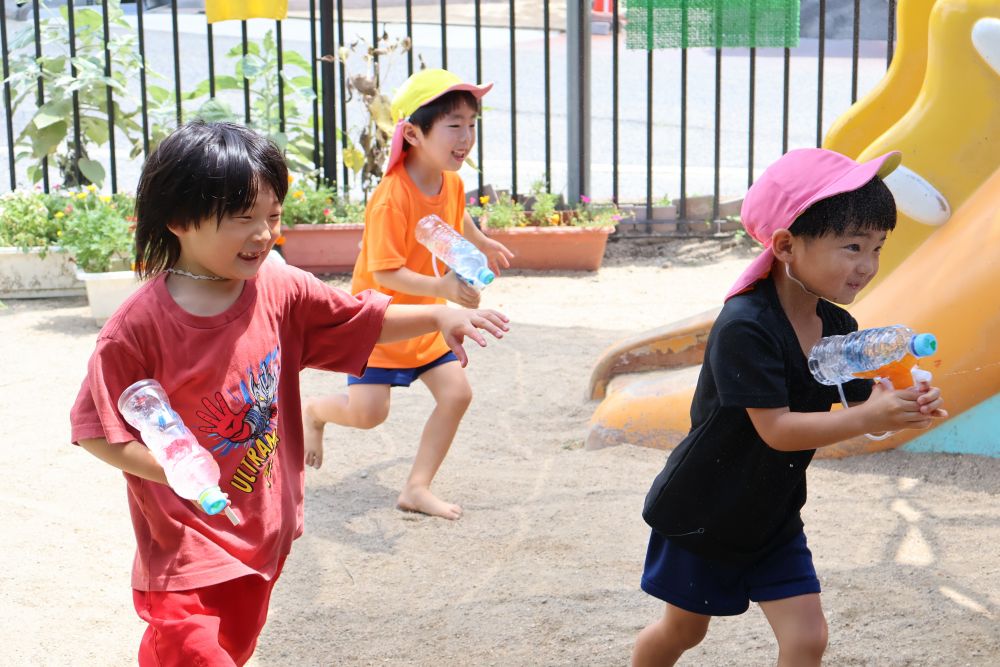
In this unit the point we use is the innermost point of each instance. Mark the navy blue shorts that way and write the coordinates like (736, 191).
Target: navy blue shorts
(398, 377)
(715, 588)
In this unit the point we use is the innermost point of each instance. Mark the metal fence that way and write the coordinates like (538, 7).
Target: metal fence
(662, 124)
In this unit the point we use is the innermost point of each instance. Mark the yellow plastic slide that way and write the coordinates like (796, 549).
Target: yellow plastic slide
(949, 138)
(886, 103)
(950, 287)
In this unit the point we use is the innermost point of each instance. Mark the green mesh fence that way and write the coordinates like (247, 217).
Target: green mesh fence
(667, 24)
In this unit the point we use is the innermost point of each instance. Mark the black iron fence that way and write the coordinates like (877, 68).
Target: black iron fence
(88, 89)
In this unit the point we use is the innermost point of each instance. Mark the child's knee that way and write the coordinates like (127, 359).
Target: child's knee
(370, 415)
(684, 633)
(808, 641)
(458, 397)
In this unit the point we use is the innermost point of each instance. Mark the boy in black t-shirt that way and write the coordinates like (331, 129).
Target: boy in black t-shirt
(725, 509)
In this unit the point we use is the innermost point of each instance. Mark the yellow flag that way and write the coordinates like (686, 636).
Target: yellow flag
(234, 10)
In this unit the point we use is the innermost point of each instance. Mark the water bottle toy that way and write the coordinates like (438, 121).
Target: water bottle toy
(884, 353)
(190, 468)
(455, 250)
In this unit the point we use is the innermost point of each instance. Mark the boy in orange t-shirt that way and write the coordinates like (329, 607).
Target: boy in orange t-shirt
(435, 114)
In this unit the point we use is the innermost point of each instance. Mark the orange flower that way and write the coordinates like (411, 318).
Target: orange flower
(280, 240)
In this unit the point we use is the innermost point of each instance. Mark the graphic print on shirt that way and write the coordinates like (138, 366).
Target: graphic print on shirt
(246, 423)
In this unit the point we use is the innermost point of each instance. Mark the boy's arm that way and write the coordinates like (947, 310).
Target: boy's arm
(132, 457)
(447, 286)
(408, 321)
(886, 410)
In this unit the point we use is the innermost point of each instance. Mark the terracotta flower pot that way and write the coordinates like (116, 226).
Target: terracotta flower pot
(326, 248)
(554, 248)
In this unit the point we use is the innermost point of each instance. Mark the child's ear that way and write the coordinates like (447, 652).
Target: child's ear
(411, 134)
(782, 243)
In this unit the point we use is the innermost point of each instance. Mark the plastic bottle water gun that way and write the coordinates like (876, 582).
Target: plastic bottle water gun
(190, 468)
(883, 353)
(463, 258)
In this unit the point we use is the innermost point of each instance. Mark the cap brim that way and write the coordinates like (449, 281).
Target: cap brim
(881, 166)
(396, 146)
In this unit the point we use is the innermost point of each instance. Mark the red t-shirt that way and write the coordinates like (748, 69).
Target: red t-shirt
(234, 380)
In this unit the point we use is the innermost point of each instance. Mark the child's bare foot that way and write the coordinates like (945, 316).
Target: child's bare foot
(312, 434)
(420, 499)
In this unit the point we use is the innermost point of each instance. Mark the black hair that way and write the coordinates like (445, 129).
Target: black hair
(869, 208)
(201, 170)
(430, 113)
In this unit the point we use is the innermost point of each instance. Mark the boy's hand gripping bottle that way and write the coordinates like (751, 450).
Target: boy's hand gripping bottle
(455, 250)
(190, 468)
(885, 353)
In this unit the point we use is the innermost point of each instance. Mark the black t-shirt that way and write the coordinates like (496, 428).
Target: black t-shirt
(724, 493)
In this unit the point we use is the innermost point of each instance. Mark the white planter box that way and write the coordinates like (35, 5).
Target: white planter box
(107, 291)
(27, 275)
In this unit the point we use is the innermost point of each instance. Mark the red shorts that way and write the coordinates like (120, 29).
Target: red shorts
(210, 626)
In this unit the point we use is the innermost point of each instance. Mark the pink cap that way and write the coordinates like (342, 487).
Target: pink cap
(799, 179)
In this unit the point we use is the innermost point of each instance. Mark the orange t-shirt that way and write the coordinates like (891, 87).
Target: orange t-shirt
(391, 217)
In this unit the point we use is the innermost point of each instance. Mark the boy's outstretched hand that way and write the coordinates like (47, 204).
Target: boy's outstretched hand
(497, 255)
(457, 324)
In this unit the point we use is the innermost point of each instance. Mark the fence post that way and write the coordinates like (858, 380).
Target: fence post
(327, 83)
(578, 100)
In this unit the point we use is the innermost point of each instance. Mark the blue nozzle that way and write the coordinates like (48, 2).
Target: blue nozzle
(486, 276)
(212, 500)
(923, 345)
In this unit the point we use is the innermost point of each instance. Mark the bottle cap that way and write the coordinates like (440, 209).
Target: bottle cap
(923, 345)
(485, 276)
(212, 500)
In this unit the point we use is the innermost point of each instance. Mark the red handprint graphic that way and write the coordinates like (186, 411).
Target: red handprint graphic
(223, 421)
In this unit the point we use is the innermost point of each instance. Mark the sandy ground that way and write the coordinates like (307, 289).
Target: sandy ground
(543, 569)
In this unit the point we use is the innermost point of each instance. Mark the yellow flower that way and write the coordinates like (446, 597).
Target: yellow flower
(554, 219)
(291, 179)
(91, 188)
(106, 198)
(60, 214)
(298, 194)
(59, 234)
(484, 200)
(81, 195)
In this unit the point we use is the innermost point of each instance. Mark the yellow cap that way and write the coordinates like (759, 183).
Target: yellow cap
(422, 88)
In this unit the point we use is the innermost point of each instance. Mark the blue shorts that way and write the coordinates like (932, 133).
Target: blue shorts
(715, 588)
(398, 377)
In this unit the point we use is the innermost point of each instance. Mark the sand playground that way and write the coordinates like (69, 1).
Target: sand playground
(543, 569)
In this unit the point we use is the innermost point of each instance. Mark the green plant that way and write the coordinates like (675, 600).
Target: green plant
(589, 214)
(99, 230)
(314, 204)
(260, 70)
(664, 201)
(48, 132)
(501, 213)
(26, 221)
(543, 211)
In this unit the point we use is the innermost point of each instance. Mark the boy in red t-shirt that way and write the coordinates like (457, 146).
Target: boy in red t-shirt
(225, 332)
(436, 117)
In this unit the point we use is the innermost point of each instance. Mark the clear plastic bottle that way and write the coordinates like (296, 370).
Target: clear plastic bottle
(883, 352)
(454, 250)
(190, 468)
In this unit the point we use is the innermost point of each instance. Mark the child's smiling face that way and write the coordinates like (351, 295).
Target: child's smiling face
(236, 247)
(836, 266)
(449, 141)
